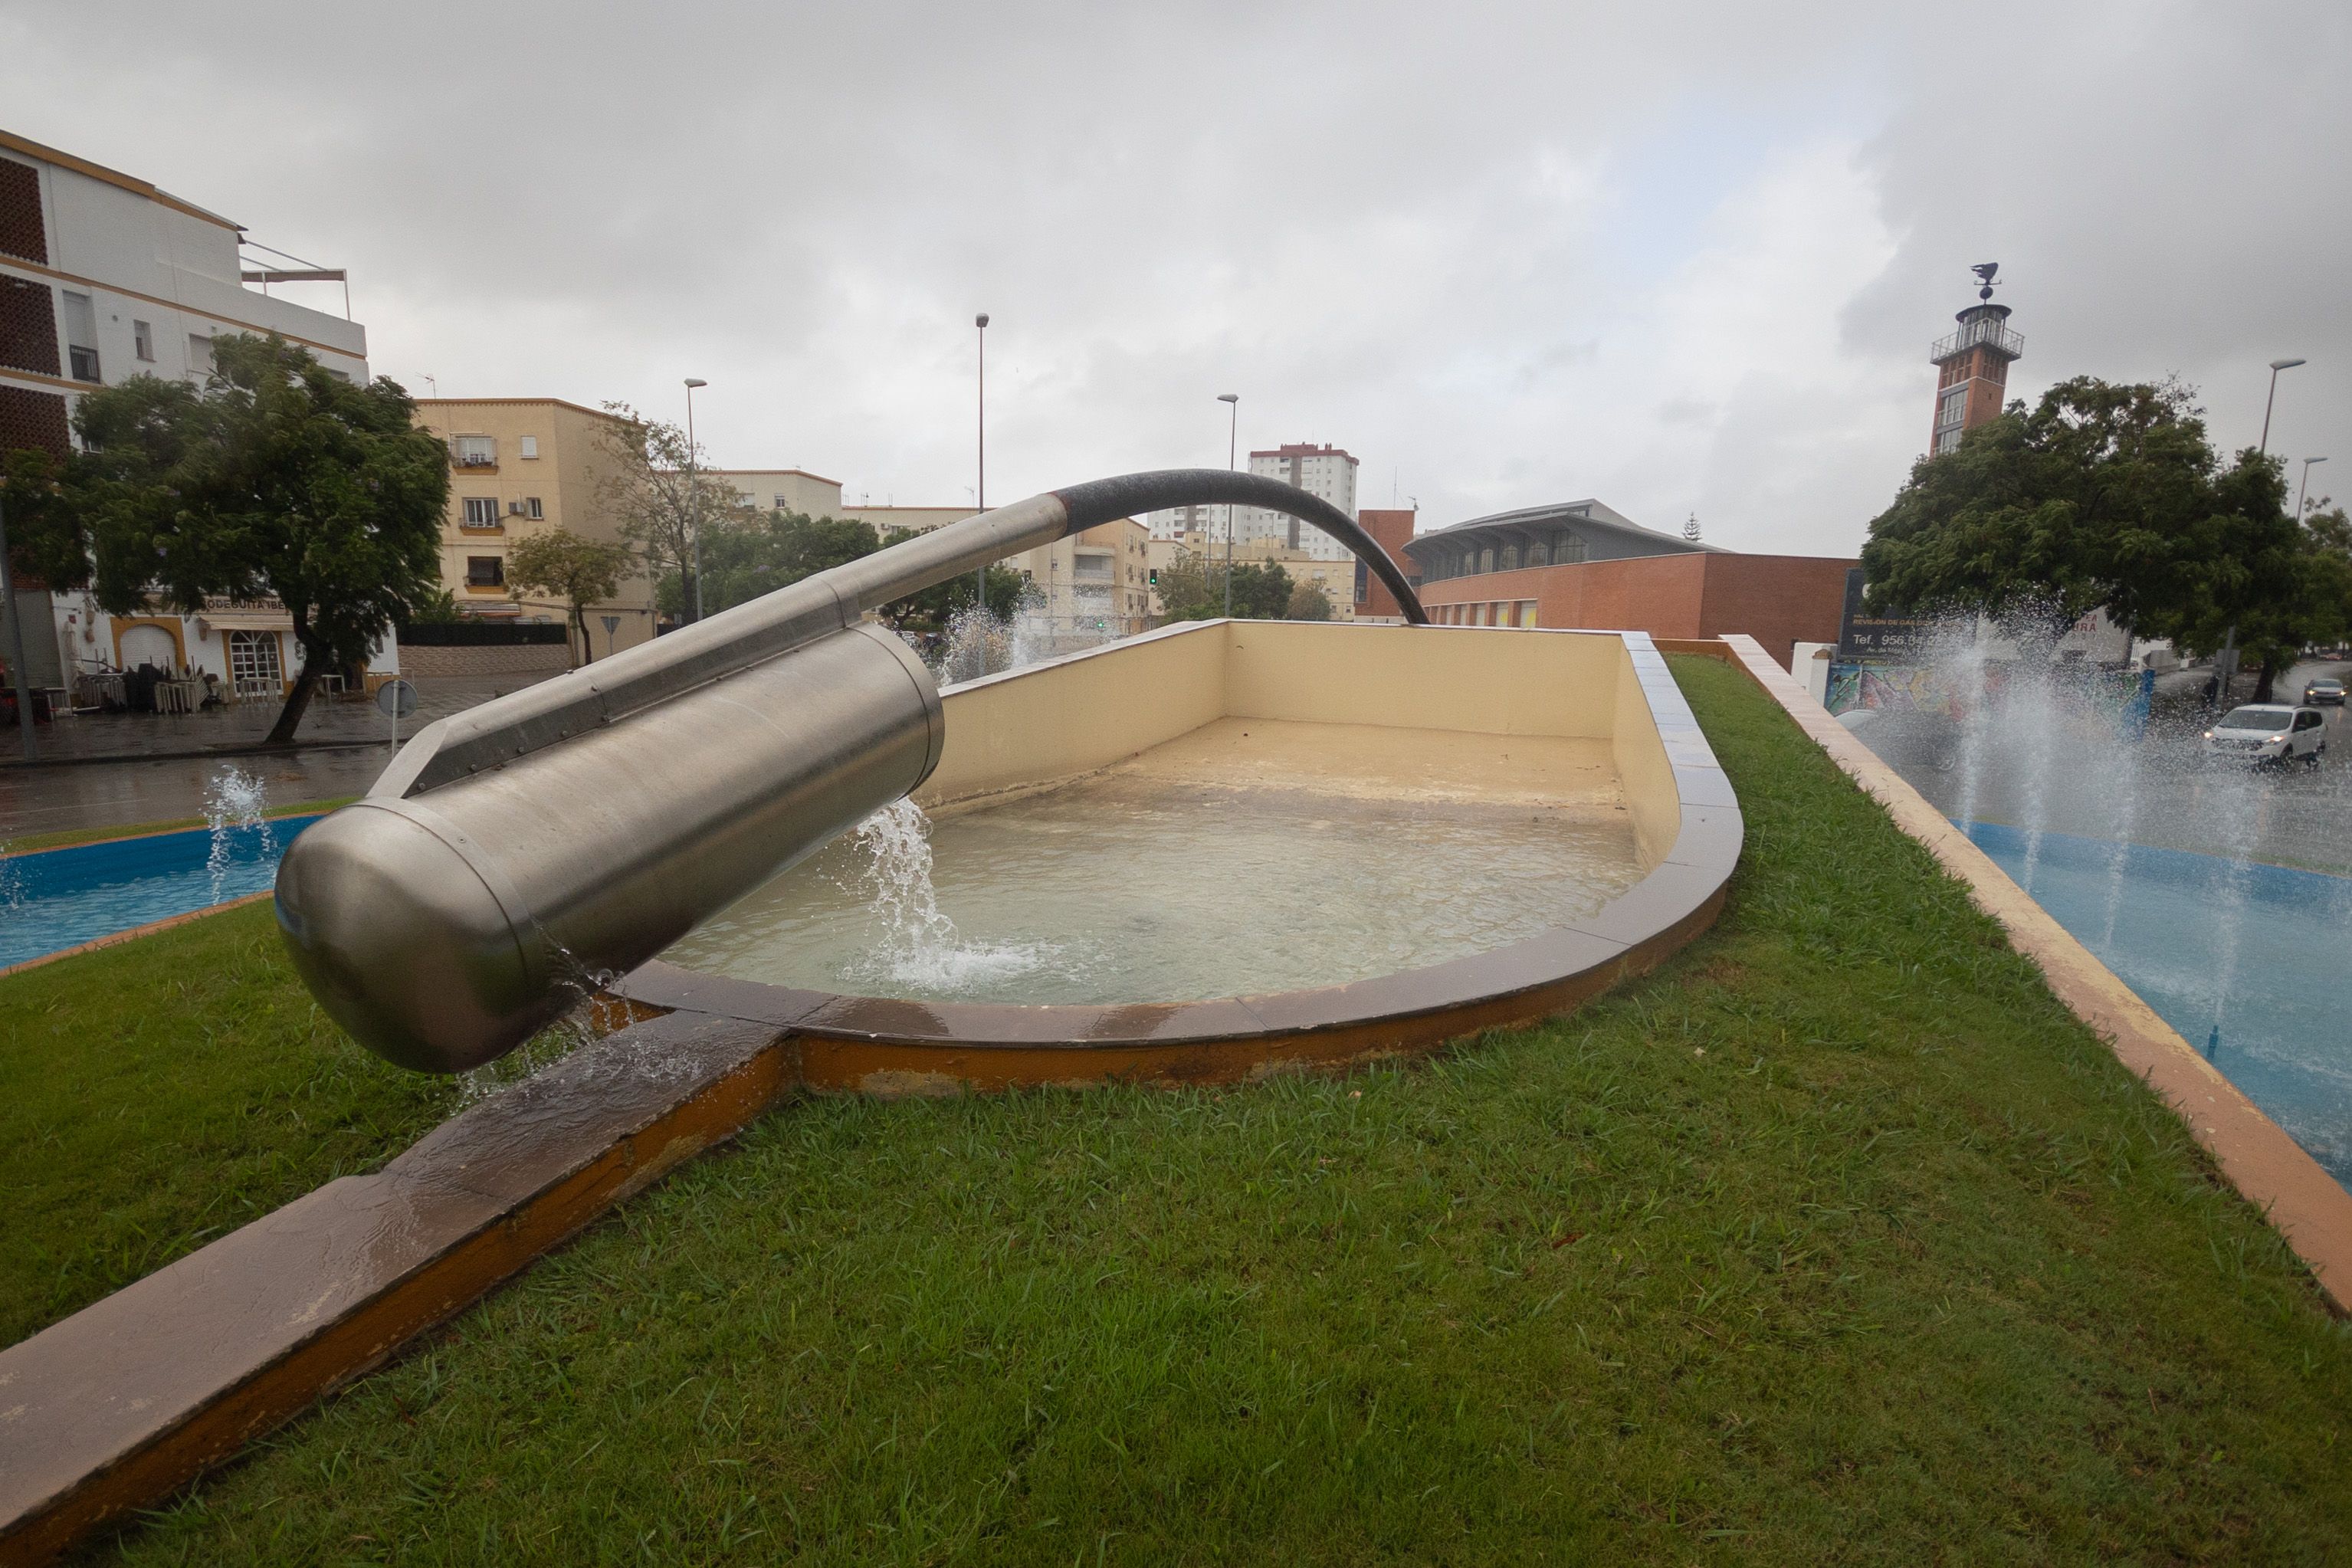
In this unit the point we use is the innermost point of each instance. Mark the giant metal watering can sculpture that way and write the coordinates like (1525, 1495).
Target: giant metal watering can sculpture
(579, 827)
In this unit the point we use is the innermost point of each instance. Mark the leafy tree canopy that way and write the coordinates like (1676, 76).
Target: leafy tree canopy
(1192, 588)
(754, 553)
(275, 478)
(656, 485)
(2100, 497)
(574, 571)
(1309, 602)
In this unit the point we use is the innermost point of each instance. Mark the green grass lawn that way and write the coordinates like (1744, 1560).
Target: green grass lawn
(1835, 1240)
(157, 1094)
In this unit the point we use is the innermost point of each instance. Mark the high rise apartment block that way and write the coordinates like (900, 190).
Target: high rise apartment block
(1325, 471)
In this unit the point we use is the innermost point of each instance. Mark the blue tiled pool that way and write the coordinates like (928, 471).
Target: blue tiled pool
(2259, 952)
(58, 898)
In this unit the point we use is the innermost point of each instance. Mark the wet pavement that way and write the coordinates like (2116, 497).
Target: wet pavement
(2036, 770)
(102, 770)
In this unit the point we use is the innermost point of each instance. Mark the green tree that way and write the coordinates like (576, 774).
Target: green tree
(658, 488)
(1309, 602)
(931, 610)
(573, 570)
(275, 478)
(1192, 588)
(45, 536)
(2100, 497)
(2304, 577)
(749, 555)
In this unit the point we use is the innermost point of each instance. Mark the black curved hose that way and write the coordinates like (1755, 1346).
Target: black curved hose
(1132, 495)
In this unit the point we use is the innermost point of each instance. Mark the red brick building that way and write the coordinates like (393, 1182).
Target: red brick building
(1581, 565)
(1393, 530)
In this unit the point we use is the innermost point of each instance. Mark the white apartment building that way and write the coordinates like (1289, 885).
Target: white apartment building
(1325, 471)
(103, 278)
(784, 490)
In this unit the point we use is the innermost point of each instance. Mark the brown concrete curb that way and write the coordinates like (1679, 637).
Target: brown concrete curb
(2269, 1168)
(135, 932)
(120, 1404)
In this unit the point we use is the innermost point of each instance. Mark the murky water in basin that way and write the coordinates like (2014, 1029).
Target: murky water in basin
(1147, 889)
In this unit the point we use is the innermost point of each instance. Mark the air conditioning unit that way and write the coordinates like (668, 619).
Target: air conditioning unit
(514, 508)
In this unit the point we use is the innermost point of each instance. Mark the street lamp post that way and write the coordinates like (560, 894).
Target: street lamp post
(694, 494)
(2304, 485)
(1233, 401)
(2226, 669)
(980, 496)
(2276, 365)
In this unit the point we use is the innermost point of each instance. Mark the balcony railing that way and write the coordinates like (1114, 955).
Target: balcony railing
(1990, 333)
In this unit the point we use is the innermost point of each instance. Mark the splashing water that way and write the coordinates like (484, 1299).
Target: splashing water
(234, 800)
(979, 643)
(920, 945)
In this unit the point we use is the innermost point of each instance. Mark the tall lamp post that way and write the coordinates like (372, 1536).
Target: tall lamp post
(694, 494)
(980, 496)
(2276, 365)
(2227, 668)
(1233, 401)
(2304, 485)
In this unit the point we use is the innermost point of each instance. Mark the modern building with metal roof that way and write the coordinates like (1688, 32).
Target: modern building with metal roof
(1560, 534)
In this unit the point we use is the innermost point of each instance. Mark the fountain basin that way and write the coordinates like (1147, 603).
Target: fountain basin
(1400, 836)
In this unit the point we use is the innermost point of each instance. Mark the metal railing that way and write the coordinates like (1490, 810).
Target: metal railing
(1990, 333)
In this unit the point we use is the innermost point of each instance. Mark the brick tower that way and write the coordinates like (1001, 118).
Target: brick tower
(1972, 366)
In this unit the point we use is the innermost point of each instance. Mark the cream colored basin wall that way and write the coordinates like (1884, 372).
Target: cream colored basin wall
(1491, 682)
(1071, 717)
(1644, 771)
(1057, 721)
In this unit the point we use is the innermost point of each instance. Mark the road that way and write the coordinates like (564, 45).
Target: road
(2070, 777)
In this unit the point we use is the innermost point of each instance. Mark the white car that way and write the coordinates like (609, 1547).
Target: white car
(2269, 734)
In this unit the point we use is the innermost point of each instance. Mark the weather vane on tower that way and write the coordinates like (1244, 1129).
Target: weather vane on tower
(1987, 274)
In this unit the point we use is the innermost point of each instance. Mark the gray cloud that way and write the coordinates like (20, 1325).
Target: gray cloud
(1682, 256)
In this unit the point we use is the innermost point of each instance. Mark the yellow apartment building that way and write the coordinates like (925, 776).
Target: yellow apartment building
(519, 466)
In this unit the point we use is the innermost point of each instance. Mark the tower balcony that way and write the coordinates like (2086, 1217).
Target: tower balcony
(1981, 326)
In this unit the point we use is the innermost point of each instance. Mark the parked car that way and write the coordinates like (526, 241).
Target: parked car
(2329, 689)
(2269, 735)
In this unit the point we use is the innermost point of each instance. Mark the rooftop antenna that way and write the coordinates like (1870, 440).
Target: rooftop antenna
(1987, 274)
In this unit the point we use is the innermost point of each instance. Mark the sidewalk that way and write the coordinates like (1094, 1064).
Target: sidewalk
(101, 770)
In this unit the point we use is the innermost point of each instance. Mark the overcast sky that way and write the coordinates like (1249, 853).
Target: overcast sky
(1685, 258)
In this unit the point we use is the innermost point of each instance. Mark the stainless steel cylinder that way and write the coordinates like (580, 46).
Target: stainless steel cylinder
(444, 928)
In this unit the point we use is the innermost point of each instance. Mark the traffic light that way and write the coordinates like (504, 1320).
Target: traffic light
(1155, 576)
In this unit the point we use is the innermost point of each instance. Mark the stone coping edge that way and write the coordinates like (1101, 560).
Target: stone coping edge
(2270, 1169)
(114, 1408)
(894, 1046)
